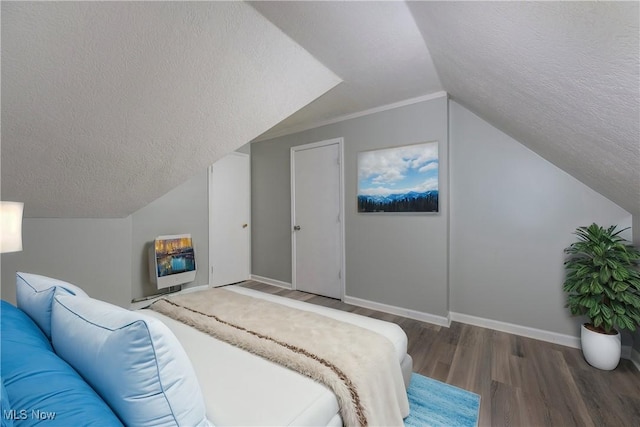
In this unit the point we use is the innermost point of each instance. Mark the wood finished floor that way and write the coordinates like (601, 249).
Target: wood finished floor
(521, 381)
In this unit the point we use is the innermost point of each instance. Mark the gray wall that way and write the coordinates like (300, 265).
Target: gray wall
(94, 254)
(512, 214)
(245, 149)
(184, 209)
(636, 242)
(399, 260)
(109, 257)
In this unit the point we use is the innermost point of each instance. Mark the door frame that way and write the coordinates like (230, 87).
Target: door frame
(340, 142)
(210, 204)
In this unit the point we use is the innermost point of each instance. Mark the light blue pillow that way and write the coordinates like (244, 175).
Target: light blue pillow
(133, 361)
(34, 295)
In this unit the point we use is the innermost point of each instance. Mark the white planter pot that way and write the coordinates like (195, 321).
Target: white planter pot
(600, 350)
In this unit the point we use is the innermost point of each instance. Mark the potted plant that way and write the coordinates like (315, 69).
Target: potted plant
(603, 283)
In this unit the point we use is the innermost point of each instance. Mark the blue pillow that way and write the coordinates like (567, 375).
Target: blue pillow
(133, 361)
(6, 413)
(40, 385)
(34, 295)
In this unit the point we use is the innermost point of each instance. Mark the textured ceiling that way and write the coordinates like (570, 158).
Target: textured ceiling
(560, 77)
(107, 106)
(376, 48)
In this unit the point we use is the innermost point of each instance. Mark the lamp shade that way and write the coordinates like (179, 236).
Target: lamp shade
(11, 226)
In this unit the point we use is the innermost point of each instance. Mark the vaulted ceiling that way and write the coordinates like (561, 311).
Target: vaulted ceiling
(107, 106)
(563, 78)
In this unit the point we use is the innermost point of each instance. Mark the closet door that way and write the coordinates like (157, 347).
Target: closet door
(229, 215)
(317, 233)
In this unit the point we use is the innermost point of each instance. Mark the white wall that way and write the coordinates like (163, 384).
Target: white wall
(512, 215)
(94, 254)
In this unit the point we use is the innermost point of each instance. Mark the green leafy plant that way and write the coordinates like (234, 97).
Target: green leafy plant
(603, 280)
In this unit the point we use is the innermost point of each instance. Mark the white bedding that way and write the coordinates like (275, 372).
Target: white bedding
(391, 331)
(243, 389)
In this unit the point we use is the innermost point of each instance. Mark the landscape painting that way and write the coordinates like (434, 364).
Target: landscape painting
(399, 179)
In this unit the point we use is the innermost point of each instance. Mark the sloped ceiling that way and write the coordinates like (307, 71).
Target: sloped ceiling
(376, 48)
(106, 106)
(560, 77)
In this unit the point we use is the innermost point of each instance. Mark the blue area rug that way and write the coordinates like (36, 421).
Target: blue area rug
(434, 403)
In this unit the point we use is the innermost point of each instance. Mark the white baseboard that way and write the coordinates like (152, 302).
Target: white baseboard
(525, 331)
(398, 311)
(635, 358)
(273, 282)
(627, 352)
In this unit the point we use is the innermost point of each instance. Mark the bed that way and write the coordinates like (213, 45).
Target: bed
(279, 395)
(215, 383)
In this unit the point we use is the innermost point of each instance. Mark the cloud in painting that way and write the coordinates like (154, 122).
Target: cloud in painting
(398, 170)
(429, 166)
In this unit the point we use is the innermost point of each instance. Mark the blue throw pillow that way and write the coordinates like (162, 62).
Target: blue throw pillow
(43, 388)
(5, 407)
(34, 295)
(133, 361)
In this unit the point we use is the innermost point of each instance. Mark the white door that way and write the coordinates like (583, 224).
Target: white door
(316, 191)
(229, 214)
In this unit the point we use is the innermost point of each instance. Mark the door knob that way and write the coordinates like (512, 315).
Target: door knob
(296, 227)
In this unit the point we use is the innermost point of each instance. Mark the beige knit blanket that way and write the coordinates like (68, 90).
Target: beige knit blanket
(358, 365)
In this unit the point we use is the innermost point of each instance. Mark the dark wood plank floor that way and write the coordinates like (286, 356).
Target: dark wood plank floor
(521, 381)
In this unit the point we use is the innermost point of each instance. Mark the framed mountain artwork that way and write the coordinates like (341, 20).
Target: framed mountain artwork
(399, 179)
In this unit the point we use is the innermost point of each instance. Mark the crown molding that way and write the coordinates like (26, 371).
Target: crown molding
(304, 127)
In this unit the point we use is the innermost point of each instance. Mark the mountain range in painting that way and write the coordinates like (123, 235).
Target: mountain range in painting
(405, 202)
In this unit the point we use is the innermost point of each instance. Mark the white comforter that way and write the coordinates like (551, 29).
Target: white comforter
(243, 389)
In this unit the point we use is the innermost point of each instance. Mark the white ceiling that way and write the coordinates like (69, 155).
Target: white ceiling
(563, 78)
(107, 106)
(376, 48)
